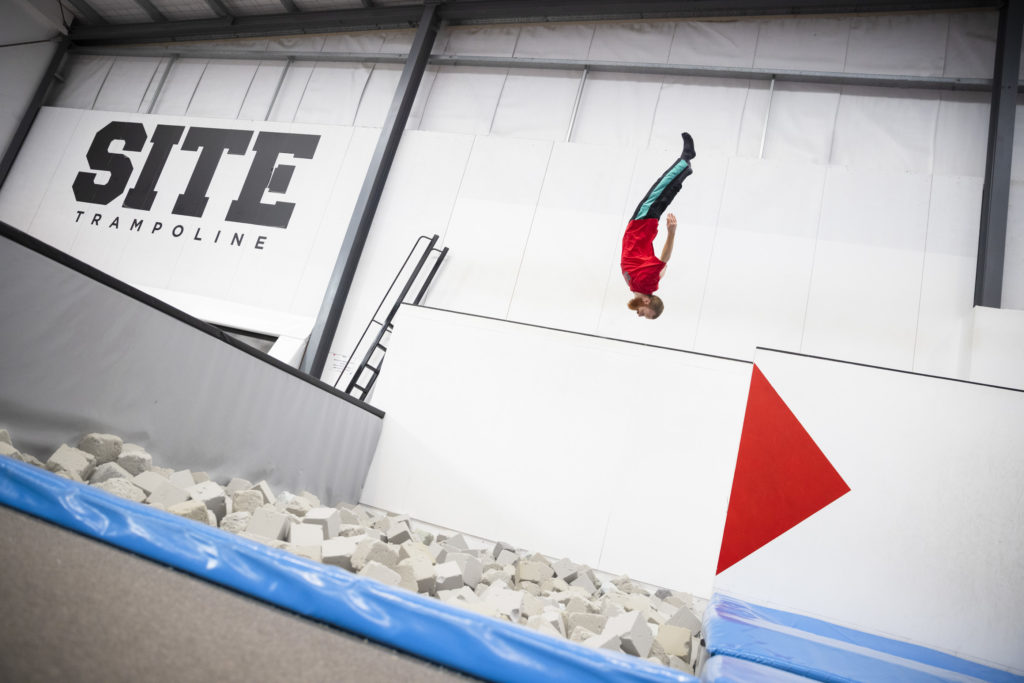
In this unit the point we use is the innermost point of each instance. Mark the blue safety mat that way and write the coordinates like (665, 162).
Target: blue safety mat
(461, 640)
(826, 652)
(722, 669)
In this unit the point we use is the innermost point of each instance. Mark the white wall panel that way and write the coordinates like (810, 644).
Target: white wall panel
(617, 109)
(295, 43)
(995, 347)
(802, 43)
(22, 193)
(1017, 163)
(715, 43)
(529, 401)
(180, 85)
(649, 43)
(223, 88)
(21, 69)
(761, 265)
(711, 109)
(490, 224)
(802, 123)
(908, 44)
(333, 93)
(292, 89)
(127, 83)
(259, 96)
(354, 41)
(576, 232)
(463, 100)
(881, 130)
(947, 285)
(155, 86)
(961, 134)
(83, 77)
(971, 45)
(488, 41)
(378, 95)
(866, 286)
(1013, 262)
(536, 104)
(555, 41)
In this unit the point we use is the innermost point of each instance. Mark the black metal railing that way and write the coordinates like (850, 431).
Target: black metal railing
(373, 357)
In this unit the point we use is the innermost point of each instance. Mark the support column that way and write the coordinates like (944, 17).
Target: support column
(315, 357)
(33, 109)
(995, 199)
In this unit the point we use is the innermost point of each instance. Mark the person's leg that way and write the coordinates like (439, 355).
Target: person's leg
(666, 187)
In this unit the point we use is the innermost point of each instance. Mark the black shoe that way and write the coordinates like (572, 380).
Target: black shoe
(688, 151)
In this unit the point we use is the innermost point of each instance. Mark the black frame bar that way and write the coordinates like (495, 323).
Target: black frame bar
(371, 16)
(18, 139)
(995, 197)
(315, 357)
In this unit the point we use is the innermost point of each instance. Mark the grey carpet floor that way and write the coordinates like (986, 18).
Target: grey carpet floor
(76, 609)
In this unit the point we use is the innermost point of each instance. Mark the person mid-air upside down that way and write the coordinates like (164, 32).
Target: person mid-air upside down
(640, 267)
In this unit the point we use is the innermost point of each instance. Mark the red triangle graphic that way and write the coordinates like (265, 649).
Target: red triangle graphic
(781, 479)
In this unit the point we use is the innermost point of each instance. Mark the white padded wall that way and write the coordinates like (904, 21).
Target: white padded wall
(866, 285)
(764, 253)
(490, 225)
(126, 84)
(794, 229)
(221, 91)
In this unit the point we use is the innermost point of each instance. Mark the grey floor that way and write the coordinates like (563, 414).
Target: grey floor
(76, 609)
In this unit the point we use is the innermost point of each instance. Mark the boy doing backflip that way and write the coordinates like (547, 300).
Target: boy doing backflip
(640, 267)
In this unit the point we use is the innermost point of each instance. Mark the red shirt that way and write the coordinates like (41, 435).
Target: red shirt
(641, 268)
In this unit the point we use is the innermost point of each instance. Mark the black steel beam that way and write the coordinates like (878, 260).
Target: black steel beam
(317, 350)
(995, 197)
(151, 10)
(290, 6)
(219, 8)
(18, 139)
(87, 12)
(372, 16)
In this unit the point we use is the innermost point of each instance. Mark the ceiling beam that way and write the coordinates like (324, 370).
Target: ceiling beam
(290, 6)
(948, 83)
(491, 11)
(219, 8)
(151, 10)
(87, 12)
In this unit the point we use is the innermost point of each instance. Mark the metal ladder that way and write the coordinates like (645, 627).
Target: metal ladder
(370, 365)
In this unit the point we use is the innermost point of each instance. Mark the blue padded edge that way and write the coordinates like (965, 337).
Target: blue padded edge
(456, 638)
(722, 669)
(827, 652)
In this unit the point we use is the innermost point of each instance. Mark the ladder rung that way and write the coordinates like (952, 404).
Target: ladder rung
(370, 367)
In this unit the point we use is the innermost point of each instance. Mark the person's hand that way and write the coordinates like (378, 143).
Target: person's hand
(670, 223)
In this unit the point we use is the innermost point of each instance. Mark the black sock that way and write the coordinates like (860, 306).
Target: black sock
(688, 151)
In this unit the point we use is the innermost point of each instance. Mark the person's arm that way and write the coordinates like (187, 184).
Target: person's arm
(670, 226)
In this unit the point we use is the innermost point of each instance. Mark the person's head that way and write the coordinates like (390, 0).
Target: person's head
(647, 305)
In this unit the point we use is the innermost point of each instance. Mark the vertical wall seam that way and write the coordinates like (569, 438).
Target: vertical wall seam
(305, 87)
(924, 264)
(103, 83)
(529, 231)
(156, 67)
(241, 105)
(711, 255)
(814, 258)
(362, 93)
(196, 88)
